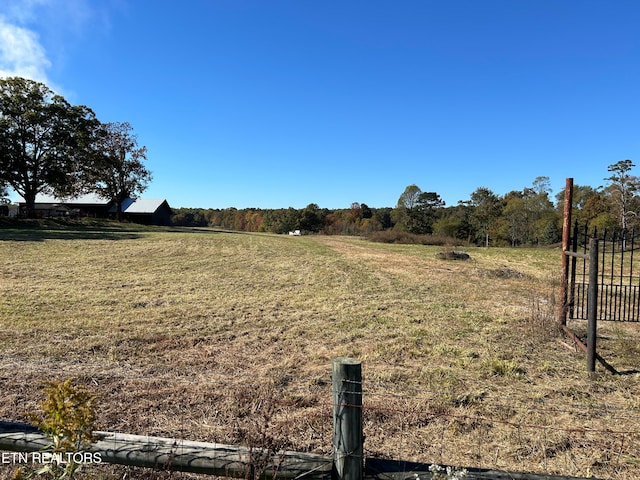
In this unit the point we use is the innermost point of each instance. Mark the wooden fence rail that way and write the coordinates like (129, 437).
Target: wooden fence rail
(241, 462)
(181, 455)
(233, 461)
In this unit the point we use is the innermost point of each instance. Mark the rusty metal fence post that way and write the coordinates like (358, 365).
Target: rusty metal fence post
(566, 239)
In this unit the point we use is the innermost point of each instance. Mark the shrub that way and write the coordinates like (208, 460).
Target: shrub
(396, 236)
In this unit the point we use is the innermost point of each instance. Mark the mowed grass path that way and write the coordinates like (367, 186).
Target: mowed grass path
(125, 311)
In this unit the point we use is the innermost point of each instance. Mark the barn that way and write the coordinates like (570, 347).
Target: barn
(82, 206)
(147, 211)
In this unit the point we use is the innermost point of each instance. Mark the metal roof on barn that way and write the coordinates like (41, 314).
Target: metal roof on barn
(88, 199)
(143, 205)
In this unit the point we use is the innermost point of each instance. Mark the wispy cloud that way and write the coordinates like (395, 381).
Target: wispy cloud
(25, 24)
(22, 11)
(21, 53)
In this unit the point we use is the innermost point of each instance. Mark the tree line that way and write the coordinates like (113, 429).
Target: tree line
(521, 217)
(48, 146)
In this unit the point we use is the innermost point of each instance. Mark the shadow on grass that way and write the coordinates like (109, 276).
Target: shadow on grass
(40, 230)
(38, 235)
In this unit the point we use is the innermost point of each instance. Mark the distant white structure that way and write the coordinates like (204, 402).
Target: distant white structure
(295, 233)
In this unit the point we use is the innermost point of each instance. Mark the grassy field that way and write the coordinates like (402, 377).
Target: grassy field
(228, 337)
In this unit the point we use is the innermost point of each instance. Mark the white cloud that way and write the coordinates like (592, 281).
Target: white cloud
(32, 32)
(59, 17)
(21, 53)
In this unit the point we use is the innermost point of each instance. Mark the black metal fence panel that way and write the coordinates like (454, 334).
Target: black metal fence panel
(618, 277)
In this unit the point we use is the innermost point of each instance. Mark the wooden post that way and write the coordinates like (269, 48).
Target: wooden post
(592, 304)
(566, 239)
(348, 449)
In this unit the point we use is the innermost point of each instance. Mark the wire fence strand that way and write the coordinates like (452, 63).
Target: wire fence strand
(402, 421)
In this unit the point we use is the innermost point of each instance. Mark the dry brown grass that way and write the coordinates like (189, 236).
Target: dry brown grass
(229, 337)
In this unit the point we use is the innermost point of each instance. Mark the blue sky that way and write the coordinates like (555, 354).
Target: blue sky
(278, 103)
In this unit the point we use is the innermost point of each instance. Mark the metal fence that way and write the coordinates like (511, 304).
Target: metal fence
(618, 290)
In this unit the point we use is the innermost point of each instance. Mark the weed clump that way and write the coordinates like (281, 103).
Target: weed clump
(68, 419)
(452, 255)
(68, 416)
(505, 368)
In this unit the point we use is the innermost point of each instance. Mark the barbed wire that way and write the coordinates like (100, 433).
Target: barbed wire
(495, 419)
(373, 394)
(369, 389)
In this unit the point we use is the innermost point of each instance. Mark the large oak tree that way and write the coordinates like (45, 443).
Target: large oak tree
(45, 142)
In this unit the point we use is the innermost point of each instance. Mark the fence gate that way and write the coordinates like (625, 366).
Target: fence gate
(618, 278)
(600, 278)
